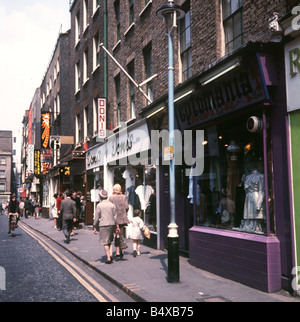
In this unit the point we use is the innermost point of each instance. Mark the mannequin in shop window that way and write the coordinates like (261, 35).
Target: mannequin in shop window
(144, 192)
(95, 193)
(254, 210)
(226, 208)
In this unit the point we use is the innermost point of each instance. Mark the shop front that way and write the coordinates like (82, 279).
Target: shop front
(292, 67)
(129, 164)
(240, 202)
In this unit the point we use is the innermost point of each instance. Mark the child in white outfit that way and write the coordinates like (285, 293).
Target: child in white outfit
(136, 234)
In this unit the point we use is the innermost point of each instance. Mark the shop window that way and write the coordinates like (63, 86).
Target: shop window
(139, 181)
(232, 191)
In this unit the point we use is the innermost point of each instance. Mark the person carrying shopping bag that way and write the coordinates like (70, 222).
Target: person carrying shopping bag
(105, 223)
(121, 204)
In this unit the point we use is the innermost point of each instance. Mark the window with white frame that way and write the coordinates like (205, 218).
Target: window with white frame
(77, 28)
(85, 65)
(96, 52)
(147, 52)
(96, 5)
(85, 13)
(2, 174)
(186, 46)
(3, 160)
(77, 128)
(2, 187)
(77, 77)
(86, 122)
(233, 24)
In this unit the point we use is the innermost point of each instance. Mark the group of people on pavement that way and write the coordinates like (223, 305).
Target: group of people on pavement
(111, 218)
(66, 210)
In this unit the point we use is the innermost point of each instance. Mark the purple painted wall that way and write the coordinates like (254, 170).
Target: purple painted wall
(250, 259)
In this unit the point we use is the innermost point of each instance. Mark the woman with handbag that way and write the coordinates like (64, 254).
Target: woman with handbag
(121, 204)
(105, 222)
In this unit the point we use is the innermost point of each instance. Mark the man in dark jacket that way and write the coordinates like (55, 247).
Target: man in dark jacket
(68, 213)
(28, 207)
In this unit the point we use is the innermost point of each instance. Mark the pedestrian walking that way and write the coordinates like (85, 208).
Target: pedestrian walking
(54, 210)
(28, 207)
(136, 233)
(76, 198)
(60, 198)
(105, 223)
(121, 204)
(68, 213)
(36, 208)
(21, 207)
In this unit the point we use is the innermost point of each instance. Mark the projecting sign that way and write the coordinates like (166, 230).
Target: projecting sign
(101, 118)
(55, 143)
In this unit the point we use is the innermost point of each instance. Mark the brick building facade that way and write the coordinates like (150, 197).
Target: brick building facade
(228, 73)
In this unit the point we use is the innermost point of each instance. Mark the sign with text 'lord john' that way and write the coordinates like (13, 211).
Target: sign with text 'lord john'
(101, 118)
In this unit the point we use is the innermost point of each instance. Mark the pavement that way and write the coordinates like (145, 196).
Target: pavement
(144, 277)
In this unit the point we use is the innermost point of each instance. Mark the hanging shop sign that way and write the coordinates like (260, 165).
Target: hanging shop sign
(292, 70)
(46, 161)
(45, 129)
(30, 160)
(37, 162)
(239, 88)
(101, 118)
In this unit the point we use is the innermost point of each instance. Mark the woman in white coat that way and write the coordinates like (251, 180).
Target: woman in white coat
(136, 233)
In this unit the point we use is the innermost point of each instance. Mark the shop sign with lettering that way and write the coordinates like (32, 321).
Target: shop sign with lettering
(236, 89)
(95, 157)
(292, 68)
(129, 141)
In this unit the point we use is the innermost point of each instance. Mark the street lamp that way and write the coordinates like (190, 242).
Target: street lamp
(170, 13)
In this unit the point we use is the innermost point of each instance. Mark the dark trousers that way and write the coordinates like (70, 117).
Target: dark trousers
(67, 226)
(59, 221)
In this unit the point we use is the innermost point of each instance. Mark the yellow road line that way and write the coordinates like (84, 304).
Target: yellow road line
(71, 270)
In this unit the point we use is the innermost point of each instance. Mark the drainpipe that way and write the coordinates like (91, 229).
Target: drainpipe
(105, 44)
(105, 168)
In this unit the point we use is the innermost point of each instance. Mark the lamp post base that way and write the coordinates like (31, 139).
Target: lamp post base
(173, 254)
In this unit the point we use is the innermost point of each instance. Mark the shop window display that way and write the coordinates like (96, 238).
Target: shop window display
(231, 192)
(138, 184)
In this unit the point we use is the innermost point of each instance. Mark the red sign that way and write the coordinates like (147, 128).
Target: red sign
(101, 118)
